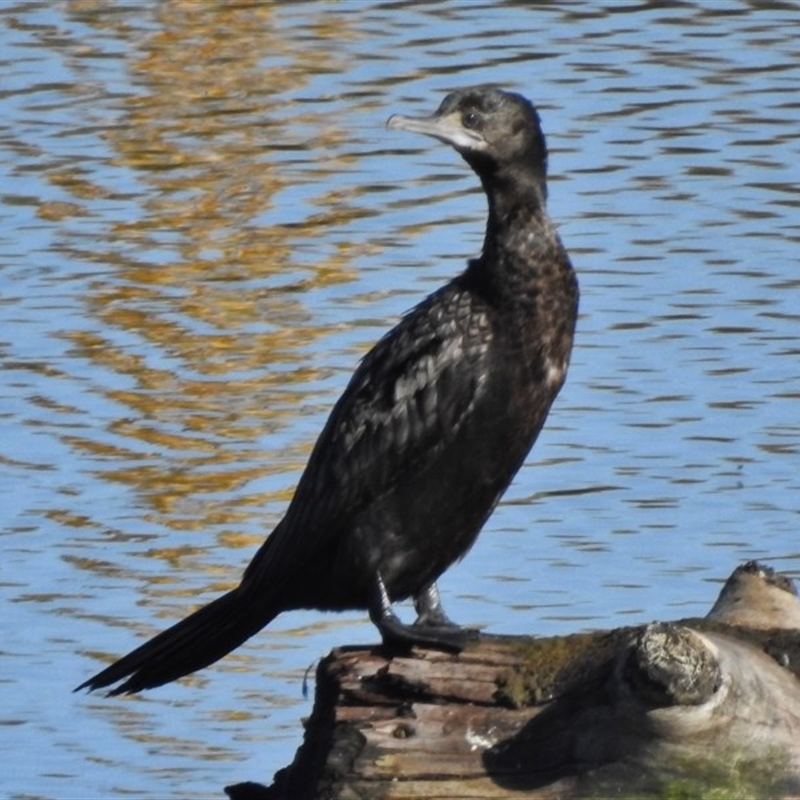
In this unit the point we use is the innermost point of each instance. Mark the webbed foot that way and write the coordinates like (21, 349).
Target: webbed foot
(432, 628)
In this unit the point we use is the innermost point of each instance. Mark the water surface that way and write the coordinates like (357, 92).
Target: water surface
(205, 223)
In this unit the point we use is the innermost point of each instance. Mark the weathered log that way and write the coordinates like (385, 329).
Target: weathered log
(668, 709)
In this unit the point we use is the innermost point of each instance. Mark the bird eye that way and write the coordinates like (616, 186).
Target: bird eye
(469, 119)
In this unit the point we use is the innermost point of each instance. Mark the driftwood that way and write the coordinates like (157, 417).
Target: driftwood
(697, 708)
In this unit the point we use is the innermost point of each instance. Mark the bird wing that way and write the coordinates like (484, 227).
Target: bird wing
(406, 401)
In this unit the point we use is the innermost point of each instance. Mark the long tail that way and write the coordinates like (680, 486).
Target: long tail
(202, 638)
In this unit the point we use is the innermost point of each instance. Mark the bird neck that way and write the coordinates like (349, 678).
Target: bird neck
(521, 249)
(517, 200)
(517, 218)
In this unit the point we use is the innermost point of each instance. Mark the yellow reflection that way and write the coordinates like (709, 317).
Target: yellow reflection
(208, 353)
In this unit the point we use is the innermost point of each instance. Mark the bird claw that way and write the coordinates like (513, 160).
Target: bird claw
(450, 638)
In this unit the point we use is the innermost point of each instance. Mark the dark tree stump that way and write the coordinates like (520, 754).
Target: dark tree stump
(672, 709)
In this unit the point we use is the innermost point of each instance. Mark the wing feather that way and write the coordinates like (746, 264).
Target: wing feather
(405, 402)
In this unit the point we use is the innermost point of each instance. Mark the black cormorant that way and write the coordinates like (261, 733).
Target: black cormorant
(432, 427)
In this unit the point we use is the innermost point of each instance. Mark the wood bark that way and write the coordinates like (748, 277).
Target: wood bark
(676, 709)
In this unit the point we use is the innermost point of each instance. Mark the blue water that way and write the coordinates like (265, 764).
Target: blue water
(205, 223)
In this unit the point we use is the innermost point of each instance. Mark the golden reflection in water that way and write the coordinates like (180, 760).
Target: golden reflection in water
(214, 362)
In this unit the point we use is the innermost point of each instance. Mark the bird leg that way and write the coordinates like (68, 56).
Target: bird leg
(428, 605)
(433, 628)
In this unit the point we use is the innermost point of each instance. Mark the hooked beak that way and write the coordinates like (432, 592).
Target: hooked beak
(447, 129)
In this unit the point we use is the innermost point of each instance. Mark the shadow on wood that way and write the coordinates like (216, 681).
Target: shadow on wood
(679, 709)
